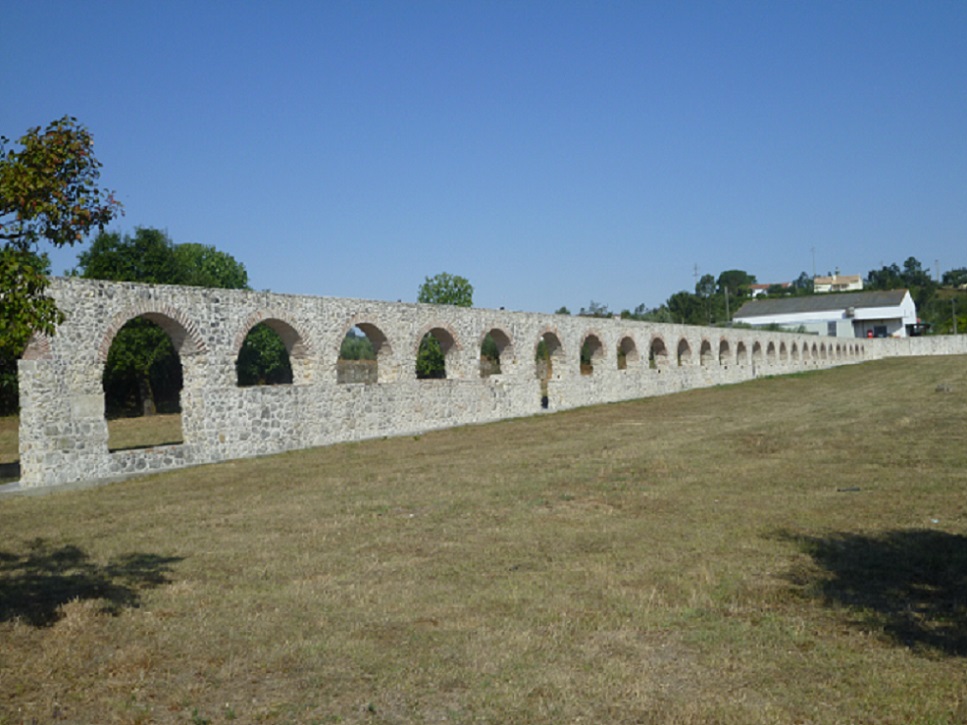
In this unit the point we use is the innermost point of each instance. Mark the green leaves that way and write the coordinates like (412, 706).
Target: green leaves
(48, 188)
(24, 308)
(48, 192)
(446, 289)
(263, 359)
(150, 256)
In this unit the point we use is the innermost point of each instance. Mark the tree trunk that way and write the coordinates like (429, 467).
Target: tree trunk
(148, 406)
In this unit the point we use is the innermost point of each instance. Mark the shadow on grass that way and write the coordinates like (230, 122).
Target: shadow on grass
(911, 583)
(34, 584)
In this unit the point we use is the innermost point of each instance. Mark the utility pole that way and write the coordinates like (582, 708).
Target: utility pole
(728, 317)
(953, 312)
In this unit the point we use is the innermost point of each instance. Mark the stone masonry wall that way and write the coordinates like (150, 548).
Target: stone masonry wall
(63, 432)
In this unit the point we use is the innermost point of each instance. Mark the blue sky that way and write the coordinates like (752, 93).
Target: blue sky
(551, 152)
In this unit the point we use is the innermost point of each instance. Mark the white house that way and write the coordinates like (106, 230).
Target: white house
(837, 283)
(889, 313)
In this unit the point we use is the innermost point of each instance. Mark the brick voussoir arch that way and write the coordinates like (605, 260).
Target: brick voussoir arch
(426, 329)
(554, 332)
(182, 330)
(293, 337)
(373, 328)
(38, 348)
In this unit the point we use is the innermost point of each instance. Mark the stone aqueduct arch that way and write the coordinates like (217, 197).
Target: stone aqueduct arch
(63, 433)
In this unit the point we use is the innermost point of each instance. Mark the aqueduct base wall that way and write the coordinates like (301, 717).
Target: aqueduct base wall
(64, 435)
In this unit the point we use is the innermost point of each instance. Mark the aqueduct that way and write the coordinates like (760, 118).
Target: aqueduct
(64, 434)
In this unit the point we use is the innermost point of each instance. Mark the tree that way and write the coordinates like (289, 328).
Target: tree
(148, 256)
(263, 359)
(736, 281)
(645, 314)
(955, 277)
(430, 361)
(201, 265)
(48, 192)
(687, 309)
(705, 289)
(885, 278)
(914, 275)
(595, 309)
(562, 310)
(14, 334)
(441, 289)
(446, 289)
(356, 346)
(803, 284)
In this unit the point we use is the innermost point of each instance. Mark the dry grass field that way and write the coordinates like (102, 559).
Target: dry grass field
(790, 550)
(9, 465)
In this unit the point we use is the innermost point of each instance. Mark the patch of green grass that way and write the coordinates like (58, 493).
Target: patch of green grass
(787, 550)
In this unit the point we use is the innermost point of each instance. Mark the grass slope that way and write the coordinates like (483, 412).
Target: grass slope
(786, 550)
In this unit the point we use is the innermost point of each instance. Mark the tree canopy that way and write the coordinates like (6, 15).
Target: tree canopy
(48, 193)
(446, 289)
(201, 265)
(955, 277)
(738, 282)
(149, 256)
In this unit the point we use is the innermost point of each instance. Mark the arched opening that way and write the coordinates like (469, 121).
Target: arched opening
(741, 354)
(794, 351)
(495, 351)
(724, 352)
(815, 352)
(771, 353)
(142, 382)
(9, 417)
(705, 356)
(684, 353)
(756, 352)
(358, 356)
(592, 353)
(822, 351)
(627, 354)
(263, 358)
(548, 354)
(431, 356)
(9, 447)
(657, 354)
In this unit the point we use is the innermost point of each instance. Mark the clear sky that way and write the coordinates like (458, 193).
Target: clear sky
(551, 152)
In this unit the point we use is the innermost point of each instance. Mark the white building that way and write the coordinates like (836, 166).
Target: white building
(889, 313)
(837, 283)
